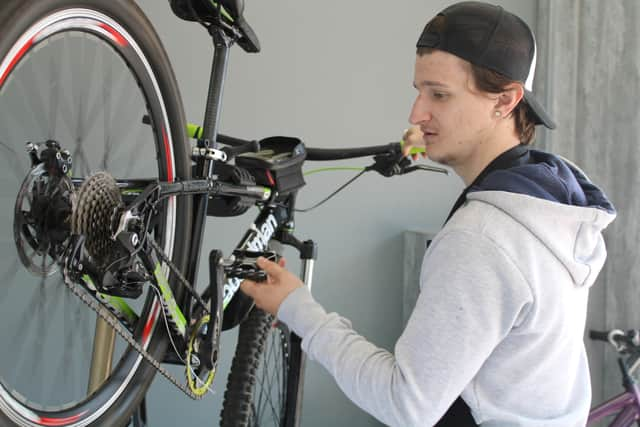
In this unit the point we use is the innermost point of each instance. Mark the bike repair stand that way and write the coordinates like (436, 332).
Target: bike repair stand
(308, 254)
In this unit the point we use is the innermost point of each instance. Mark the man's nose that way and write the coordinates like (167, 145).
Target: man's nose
(420, 112)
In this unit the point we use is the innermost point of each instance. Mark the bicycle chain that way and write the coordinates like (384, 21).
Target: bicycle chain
(183, 280)
(112, 321)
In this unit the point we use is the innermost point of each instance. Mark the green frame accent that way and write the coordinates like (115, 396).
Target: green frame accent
(170, 302)
(121, 306)
(194, 131)
(118, 304)
(222, 10)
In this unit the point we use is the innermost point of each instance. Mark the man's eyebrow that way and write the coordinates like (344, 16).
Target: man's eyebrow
(429, 83)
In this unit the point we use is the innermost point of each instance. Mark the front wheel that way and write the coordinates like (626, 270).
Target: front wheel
(263, 388)
(82, 74)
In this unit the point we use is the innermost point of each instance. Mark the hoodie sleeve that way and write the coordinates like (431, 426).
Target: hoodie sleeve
(471, 296)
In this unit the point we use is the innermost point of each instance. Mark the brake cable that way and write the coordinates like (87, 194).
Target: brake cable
(391, 168)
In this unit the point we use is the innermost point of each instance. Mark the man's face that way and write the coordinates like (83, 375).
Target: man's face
(454, 116)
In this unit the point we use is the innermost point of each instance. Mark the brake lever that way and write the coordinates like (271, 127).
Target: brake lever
(424, 168)
(389, 165)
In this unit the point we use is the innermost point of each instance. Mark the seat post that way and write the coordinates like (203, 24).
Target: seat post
(204, 167)
(222, 44)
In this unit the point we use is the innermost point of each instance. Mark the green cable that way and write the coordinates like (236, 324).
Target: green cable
(222, 10)
(337, 168)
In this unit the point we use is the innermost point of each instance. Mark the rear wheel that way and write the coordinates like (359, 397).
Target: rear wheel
(264, 368)
(82, 73)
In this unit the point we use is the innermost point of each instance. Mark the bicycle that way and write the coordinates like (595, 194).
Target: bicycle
(625, 407)
(86, 85)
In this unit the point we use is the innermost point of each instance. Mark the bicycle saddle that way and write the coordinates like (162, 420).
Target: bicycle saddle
(231, 15)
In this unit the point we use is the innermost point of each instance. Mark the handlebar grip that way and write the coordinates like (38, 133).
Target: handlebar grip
(414, 150)
(323, 154)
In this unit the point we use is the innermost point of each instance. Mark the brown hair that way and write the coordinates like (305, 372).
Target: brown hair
(492, 82)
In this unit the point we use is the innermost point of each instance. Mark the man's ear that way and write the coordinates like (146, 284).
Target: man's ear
(509, 98)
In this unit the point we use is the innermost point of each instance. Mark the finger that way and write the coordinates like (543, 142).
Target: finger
(270, 267)
(249, 287)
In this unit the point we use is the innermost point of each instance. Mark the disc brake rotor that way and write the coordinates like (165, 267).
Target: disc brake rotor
(41, 220)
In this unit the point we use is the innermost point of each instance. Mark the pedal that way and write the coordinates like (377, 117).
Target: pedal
(243, 265)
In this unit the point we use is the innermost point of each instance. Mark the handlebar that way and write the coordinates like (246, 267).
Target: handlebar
(388, 158)
(324, 154)
(621, 340)
(315, 154)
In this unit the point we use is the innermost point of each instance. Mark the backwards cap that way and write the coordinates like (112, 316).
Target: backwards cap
(490, 37)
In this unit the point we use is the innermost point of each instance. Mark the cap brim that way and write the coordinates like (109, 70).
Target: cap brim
(540, 115)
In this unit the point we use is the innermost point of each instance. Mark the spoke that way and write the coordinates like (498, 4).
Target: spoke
(65, 372)
(123, 120)
(34, 94)
(35, 320)
(80, 155)
(94, 104)
(6, 281)
(55, 71)
(78, 338)
(13, 159)
(32, 256)
(24, 89)
(66, 101)
(133, 158)
(51, 299)
(260, 397)
(266, 369)
(106, 111)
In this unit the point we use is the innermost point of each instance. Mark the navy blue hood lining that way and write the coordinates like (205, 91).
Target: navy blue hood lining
(538, 174)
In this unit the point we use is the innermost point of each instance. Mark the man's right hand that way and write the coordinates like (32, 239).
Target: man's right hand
(413, 141)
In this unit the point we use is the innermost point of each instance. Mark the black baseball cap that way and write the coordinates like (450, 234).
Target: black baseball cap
(490, 37)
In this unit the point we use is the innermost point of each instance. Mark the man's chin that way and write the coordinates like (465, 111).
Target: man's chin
(442, 159)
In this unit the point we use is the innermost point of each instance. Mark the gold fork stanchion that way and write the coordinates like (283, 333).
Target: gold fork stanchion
(102, 358)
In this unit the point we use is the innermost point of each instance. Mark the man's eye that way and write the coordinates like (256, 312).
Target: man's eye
(439, 95)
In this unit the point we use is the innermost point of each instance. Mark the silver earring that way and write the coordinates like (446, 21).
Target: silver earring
(497, 113)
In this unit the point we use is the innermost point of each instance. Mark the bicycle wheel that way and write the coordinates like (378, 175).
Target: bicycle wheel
(263, 370)
(83, 73)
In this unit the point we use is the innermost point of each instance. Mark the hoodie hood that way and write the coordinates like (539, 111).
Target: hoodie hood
(558, 204)
(548, 177)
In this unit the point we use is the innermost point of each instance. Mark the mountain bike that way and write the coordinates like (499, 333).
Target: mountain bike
(624, 409)
(108, 197)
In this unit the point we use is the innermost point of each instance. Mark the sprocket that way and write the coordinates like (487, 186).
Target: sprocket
(95, 215)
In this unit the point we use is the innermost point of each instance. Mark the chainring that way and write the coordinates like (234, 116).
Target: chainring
(198, 377)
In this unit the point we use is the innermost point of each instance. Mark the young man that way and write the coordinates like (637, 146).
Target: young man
(496, 335)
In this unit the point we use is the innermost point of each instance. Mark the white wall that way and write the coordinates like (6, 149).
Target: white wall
(335, 74)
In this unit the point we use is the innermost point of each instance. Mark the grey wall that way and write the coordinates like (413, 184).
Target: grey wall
(594, 84)
(335, 74)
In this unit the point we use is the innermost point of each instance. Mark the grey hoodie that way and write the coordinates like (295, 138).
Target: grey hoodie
(501, 313)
